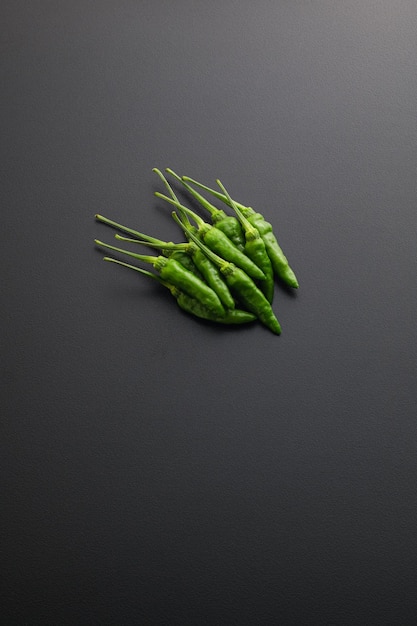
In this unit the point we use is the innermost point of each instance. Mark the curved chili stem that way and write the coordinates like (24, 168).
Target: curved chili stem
(189, 213)
(219, 195)
(215, 213)
(130, 231)
(209, 271)
(228, 224)
(166, 183)
(141, 257)
(220, 242)
(184, 253)
(137, 269)
(250, 231)
(179, 206)
(156, 243)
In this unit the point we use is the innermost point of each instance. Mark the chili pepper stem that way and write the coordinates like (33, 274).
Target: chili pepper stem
(105, 220)
(134, 267)
(217, 194)
(215, 213)
(166, 183)
(179, 206)
(156, 243)
(250, 231)
(141, 257)
(198, 220)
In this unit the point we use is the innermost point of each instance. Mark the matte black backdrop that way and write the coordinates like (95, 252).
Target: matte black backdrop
(157, 470)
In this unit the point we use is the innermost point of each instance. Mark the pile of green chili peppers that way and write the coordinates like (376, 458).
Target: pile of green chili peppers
(225, 269)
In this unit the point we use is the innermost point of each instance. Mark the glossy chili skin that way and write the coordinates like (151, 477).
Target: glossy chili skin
(251, 297)
(278, 259)
(230, 226)
(194, 260)
(219, 243)
(240, 284)
(256, 250)
(172, 272)
(194, 307)
(190, 304)
(213, 277)
(184, 259)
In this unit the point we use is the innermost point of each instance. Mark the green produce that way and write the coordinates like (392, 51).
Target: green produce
(191, 305)
(206, 269)
(174, 273)
(278, 259)
(218, 242)
(229, 224)
(255, 249)
(178, 254)
(241, 284)
(169, 249)
(223, 271)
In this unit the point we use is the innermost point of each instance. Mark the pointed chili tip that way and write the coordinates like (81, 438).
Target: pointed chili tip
(276, 328)
(292, 280)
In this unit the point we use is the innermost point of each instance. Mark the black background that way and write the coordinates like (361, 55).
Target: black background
(160, 470)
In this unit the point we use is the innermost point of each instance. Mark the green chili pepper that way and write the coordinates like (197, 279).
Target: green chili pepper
(206, 269)
(217, 241)
(255, 249)
(278, 259)
(229, 224)
(239, 283)
(173, 272)
(191, 305)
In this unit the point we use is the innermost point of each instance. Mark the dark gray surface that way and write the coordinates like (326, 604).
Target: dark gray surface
(157, 470)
